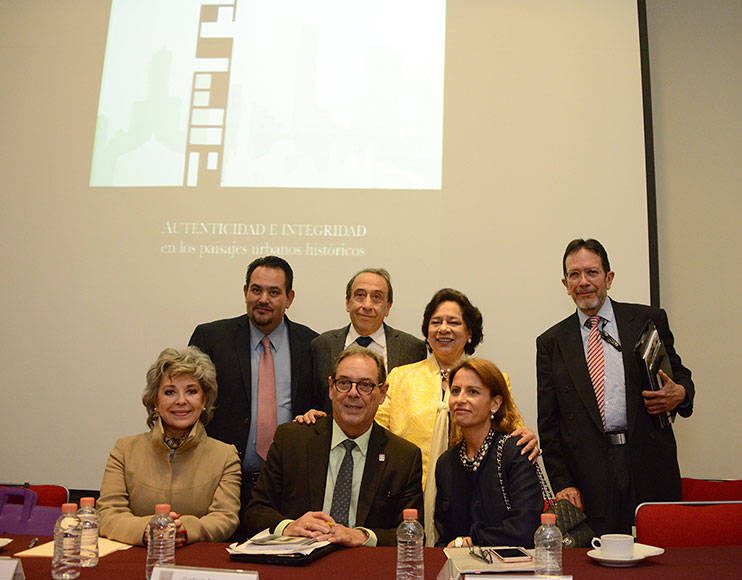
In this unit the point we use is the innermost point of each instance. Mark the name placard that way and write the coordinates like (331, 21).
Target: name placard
(193, 573)
(12, 569)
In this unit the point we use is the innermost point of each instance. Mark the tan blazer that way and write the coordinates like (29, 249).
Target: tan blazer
(201, 481)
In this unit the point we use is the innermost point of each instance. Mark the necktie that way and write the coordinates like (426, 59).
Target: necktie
(343, 483)
(596, 363)
(364, 341)
(266, 400)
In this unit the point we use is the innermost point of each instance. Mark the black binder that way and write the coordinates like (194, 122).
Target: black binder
(285, 559)
(652, 357)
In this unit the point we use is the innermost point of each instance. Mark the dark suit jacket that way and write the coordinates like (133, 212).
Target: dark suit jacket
(401, 349)
(227, 342)
(292, 481)
(569, 424)
(472, 504)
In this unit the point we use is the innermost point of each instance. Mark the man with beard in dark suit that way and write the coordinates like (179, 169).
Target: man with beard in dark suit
(344, 479)
(603, 447)
(259, 387)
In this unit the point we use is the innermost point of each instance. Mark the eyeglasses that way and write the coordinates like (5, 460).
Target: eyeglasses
(484, 555)
(363, 386)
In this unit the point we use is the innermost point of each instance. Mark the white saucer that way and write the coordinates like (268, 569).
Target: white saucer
(5, 541)
(641, 551)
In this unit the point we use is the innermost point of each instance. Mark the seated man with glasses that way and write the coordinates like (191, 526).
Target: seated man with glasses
(344, 479)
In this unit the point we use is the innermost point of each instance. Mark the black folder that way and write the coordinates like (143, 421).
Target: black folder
(285, 559)
(652, 357)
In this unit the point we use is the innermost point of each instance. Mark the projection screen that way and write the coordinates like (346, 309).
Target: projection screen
(152, 148)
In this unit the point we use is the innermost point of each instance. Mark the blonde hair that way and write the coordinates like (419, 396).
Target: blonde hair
(173, 362)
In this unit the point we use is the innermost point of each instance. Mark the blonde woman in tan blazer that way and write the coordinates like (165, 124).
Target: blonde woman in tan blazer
(175, 462)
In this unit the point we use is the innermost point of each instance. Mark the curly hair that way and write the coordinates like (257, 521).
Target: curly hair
(471, 314)
(173, 362)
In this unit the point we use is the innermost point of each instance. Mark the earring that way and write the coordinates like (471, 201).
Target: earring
(469, 341)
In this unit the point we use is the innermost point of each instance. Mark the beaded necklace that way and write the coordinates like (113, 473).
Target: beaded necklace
(473, 463)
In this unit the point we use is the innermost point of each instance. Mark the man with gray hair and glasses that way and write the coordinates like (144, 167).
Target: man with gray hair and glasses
(344, 479)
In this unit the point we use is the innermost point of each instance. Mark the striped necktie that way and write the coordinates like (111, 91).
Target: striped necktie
(596, 363)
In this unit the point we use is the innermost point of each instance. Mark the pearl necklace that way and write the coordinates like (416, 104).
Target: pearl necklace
(473, 463)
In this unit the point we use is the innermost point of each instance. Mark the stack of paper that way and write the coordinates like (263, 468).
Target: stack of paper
(266, 543)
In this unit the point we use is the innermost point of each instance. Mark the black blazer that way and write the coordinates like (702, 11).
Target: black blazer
(292, 481)
(569, 424)
(401, 349)
(227, 342)
(472, 504)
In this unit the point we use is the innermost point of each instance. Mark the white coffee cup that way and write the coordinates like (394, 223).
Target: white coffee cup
(618, 546)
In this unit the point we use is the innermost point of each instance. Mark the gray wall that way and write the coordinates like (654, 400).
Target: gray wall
(696, 93)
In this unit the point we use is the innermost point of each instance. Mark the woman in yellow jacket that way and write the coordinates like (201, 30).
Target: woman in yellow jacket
(416, 404)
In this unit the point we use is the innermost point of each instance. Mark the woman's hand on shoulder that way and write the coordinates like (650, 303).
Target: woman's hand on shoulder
(310, 417)
(528, 440)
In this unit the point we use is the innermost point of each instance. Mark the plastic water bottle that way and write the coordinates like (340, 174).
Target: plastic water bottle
(67, 533)
(89, 544)
(160, 538)
(548, 542)
(410, 547)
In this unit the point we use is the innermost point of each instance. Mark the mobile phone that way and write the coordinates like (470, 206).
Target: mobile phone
(511, 554)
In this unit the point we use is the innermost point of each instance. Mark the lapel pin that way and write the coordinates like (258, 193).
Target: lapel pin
(382, 457)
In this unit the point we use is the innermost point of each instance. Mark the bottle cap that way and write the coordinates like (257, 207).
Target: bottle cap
(548, 519)
(409, 514)
(69, 508)
(162, 508)
(87, 502)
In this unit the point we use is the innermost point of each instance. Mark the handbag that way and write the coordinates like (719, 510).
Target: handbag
(576, 533)
(28, 518)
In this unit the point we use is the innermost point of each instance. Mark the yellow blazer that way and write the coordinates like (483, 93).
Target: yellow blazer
(201, 481)
(411, 404)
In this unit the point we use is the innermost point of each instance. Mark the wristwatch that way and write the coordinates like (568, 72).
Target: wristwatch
(458, 542)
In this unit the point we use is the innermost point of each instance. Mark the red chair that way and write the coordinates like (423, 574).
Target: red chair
(670, 524)
(47, 495)
(51, 495)
(711, 489)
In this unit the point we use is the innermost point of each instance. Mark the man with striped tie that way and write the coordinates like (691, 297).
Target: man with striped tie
(604, 449)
